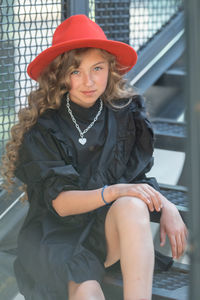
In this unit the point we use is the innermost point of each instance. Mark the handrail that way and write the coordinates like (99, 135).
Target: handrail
(157, 57)
(158, 54)
(11, 206)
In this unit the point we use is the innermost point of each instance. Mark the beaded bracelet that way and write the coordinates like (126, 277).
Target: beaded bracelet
(103, 188)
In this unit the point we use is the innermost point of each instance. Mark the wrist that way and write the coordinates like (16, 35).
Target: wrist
(166, 204)
(110, 193)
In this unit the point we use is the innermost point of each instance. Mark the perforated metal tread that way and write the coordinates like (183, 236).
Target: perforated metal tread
(171, 284)
(170, 135)
(178, 196)
(169, 127)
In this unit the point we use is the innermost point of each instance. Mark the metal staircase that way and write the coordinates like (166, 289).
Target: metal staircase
(170, 135)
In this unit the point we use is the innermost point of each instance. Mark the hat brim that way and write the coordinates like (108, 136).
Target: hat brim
(126, 56)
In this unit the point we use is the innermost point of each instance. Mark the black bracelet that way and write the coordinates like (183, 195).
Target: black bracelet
(103, 188)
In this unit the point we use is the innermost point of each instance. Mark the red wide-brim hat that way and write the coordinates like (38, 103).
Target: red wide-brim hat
(79, 32)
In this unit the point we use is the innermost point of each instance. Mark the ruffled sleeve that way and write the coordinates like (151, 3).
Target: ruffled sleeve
(142, 153)
(144, 141)
(43, 167)
(144, 132)
(140, 140)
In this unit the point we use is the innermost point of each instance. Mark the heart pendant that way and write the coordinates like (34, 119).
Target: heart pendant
(82, 141)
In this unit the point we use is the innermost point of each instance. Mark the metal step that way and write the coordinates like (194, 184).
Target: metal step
(8, 284)
(170, 135)
(178, 196)
(168, 285)
(175, 76)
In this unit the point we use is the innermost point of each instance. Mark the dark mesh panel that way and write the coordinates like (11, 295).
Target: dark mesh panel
(133, 21)
(113, 16)
(26, 28)
(147, 17)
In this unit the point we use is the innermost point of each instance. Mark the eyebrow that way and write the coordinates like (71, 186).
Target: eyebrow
(100, 62)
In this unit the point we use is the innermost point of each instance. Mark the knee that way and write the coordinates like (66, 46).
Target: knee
(131, 207)
(90, 289)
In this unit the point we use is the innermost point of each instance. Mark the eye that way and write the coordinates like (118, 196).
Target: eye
(75, 72)
(98, 68)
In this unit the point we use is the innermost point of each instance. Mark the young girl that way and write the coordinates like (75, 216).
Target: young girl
(82, 147)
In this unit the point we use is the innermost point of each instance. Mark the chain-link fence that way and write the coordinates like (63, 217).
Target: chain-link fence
(26, 29)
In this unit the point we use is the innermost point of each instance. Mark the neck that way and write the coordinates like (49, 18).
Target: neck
(81, 103)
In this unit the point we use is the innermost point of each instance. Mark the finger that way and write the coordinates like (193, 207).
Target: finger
(147, 198)
(184, 237)
(162, 237)
(186, 232)
(141, 194)
(155, 197)
(179, 245)
(145, 192)
(184, 240)
(172, 240)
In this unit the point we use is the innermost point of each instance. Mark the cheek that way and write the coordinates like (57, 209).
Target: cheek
(73, 83)
(104, 80)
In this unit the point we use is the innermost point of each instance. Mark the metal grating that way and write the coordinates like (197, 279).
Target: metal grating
(169, 128)
(25, 30)
(133, 21)
(170, 280)
(177, 197)
(114, 17)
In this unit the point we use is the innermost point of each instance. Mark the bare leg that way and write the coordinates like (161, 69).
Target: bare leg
(129, 239)
(87, 290)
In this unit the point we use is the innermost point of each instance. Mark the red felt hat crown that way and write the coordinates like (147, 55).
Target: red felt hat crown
(79, 32)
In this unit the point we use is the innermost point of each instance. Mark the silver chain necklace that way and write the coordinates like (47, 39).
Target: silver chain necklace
(82, 140)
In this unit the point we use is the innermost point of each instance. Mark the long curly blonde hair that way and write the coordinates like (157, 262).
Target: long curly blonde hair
(54, 82)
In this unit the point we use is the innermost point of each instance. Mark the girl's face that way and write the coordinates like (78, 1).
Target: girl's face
(88, 82)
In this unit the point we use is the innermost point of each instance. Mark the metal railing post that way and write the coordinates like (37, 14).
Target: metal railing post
(75, 7)
(192, 22)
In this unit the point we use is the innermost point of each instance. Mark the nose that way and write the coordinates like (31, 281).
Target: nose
(88, 79)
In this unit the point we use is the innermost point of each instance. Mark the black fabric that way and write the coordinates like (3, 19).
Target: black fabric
(53, 249)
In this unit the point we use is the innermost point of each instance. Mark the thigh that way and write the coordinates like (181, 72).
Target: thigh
(112, 239)
(86, 290)
(124, 213)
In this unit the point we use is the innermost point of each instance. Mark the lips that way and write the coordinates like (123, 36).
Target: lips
(88, 93)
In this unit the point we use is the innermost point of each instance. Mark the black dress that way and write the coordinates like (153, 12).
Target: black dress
(51, 249)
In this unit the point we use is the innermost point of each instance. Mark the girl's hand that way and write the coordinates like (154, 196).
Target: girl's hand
(172, 224)
(143, 191)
